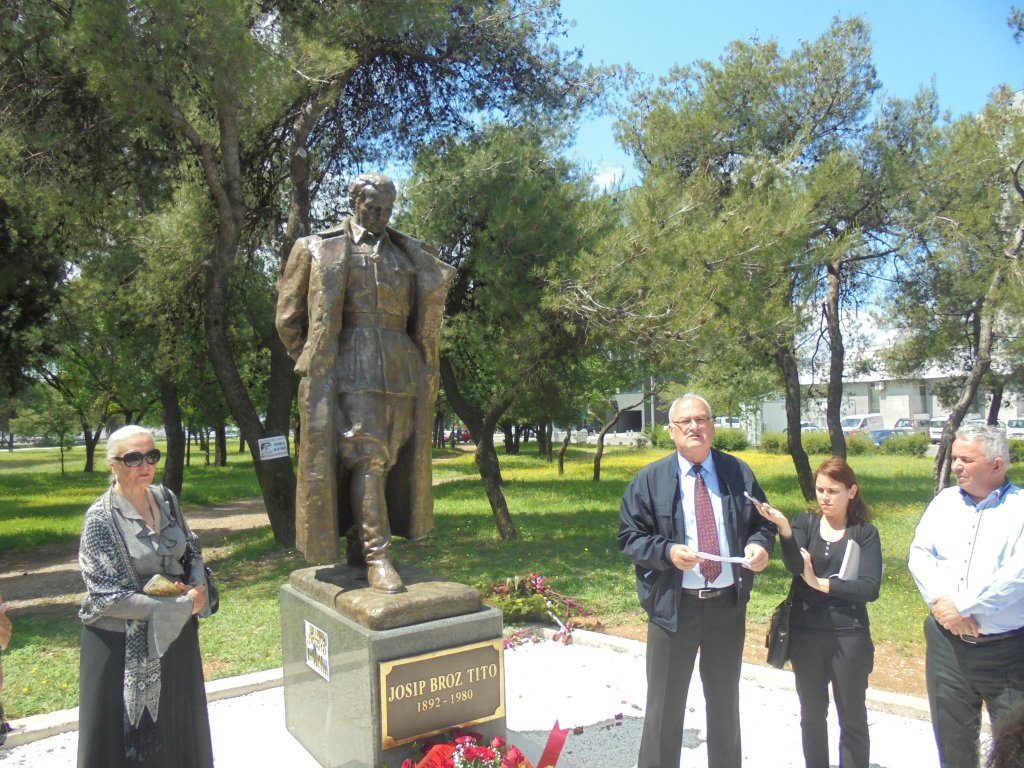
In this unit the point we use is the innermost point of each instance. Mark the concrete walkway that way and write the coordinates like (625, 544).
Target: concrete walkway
(596, 686)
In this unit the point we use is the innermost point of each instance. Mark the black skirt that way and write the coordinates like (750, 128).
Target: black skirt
(182, 724)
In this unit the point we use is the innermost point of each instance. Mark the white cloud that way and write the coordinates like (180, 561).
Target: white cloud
(607, 177)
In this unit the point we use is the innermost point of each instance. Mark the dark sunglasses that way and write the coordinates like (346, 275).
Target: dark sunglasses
(134, 459)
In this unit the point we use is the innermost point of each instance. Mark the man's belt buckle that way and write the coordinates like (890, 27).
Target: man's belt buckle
(969, 639)
(706, 594)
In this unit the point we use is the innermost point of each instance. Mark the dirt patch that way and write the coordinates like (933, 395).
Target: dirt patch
(894, 669)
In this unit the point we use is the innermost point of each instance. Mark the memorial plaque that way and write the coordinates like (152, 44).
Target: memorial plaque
(432, 693)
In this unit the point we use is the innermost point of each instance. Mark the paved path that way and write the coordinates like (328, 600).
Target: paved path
(595, 685)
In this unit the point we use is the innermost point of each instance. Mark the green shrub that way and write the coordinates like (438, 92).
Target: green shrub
(529, 598)
(1016, 451)
(813, 442)
(657, 436)
(817, 443)
(860, 445)
(774, 442)
(519, 608)
(905, 445)
(731, 440)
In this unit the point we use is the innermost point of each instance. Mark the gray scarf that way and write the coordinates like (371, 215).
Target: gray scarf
(109, 577)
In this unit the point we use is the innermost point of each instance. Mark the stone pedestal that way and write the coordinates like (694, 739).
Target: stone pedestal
(337, 634)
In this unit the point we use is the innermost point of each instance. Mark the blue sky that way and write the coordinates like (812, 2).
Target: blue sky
(964, 46)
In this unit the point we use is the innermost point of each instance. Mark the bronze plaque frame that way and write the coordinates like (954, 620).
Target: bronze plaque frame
(435, 692)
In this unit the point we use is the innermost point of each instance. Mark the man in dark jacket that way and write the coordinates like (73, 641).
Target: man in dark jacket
(677, 511)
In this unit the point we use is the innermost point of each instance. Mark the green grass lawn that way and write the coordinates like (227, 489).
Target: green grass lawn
(567, 527)
(41, 506)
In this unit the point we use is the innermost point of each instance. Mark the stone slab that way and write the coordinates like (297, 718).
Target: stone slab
(337, 720)
(346, 590)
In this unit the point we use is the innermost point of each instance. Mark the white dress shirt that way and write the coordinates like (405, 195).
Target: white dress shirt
(693, 579)
(973, 552)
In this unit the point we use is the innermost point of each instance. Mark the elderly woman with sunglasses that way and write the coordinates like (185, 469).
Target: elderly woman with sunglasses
(141, 691)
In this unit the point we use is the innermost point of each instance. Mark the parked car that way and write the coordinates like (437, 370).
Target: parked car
(879, 436)
(728, 422)
(861, 424)
(937, 425)
(462, 435)
(912, 425)
(1015, 429)
(806, 426)
(1000, 425)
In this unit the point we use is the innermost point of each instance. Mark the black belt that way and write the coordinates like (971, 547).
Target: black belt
(985, 639)
(707, 594)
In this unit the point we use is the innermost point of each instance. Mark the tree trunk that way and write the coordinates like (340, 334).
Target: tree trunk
(837, 360)
(490, 472)
(997, 401)
(600, 449)
(204, 444)
(606, 429)
(512, 448)
(92, 438)
(482, 428)
(791, 381)
(276, 477)
(982, 362)
(561, 452)
(549, 439)
(174, 467)
(542, 445)
(438, 440)
(222, 167)
(220, 446)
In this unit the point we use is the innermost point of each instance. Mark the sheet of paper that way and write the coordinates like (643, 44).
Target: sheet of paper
(719, 558)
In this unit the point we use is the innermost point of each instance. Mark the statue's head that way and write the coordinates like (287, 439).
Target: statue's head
(372, 197)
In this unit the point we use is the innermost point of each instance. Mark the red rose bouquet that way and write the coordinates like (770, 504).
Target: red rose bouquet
(467, 752)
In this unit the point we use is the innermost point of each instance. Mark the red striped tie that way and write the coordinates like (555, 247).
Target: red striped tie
(707, 531)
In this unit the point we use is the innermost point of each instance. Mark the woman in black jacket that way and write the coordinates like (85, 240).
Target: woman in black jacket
(835, 556)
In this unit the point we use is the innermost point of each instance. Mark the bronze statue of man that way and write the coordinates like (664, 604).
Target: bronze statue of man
(359, 310)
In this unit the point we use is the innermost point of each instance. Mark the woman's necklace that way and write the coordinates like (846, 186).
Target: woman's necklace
(154, 512)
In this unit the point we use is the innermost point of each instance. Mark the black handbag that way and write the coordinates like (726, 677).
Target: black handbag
(191, 549)
(777, 638)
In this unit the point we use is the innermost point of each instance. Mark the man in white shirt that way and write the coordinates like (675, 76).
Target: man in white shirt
(967, 558)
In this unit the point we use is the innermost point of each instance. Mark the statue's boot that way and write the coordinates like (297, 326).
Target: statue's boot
(368, 494)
